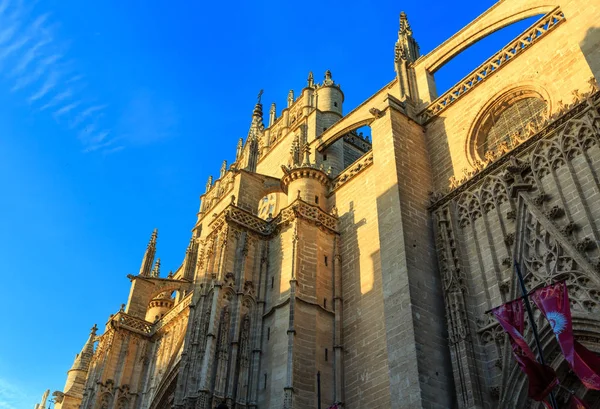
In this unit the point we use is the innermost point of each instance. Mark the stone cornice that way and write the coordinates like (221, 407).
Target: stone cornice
(357, 167)
(308, 172)
(265, 228)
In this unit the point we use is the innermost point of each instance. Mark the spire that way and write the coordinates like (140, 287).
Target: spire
(240, 147)
(83, 359)
(209, 183)
(223, 168)
(311, 80)
(406, 52)
(272, 114)
(149, 255)
(254, 134)
(406, 47)
(156, 270)
(290, 98)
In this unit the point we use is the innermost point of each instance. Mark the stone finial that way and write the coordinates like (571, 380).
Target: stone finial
(209, 183)
(311, 80)
(240, 147)
(290, 98)
(272, 114)
(170, 275)
(306, 151)
(328, 80)
(223, 168)
(259, 96)
(94, 329)
(404, 25)
(295, 152)
(406, 48)
(156, 269)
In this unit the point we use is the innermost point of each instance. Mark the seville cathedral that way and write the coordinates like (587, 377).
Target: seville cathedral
(361, 269)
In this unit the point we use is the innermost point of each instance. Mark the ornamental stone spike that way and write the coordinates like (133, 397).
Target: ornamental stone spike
(148, 258)
(156, 269)
(311, 80)
(240, 148)
(290, 98)
(209, 183)
(406, 47)
(223, 169)
(272, 114)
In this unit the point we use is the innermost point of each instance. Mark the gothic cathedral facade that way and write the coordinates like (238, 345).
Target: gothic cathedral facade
(326, 263)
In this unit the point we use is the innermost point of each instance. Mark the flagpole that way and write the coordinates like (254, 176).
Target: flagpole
(533, 326)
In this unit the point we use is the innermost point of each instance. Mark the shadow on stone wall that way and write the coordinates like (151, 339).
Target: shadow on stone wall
(590, 47)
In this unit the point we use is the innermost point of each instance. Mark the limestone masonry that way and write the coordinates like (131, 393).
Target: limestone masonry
(373, 260)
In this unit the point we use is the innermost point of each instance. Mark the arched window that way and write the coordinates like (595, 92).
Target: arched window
(512, 113)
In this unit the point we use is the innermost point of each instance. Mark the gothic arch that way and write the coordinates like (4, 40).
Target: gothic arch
(166, 390)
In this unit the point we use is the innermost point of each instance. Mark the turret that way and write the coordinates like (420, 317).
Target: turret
(148, 259)
(77, 375)
(329, 99)
(303, 179)
(159, 306)
(330, 96)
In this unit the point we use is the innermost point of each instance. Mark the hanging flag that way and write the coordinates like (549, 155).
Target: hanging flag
(576, 403)
(553, 301)
(542, 378)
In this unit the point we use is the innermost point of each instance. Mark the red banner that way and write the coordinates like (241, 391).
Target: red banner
(553, 301)
(542, 378)
(576, 403)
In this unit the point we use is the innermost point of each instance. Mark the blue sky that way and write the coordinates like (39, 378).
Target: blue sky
(114, 114)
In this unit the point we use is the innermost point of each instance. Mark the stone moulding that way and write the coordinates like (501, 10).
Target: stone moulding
(266, 228)
(358, 166)
(532, 35)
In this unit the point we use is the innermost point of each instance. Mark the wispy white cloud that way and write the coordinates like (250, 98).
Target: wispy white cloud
(86, 113)
(57, 99)
(48, 85)
(28, 57)
(100, 146)
(39, 66)
(66, 109)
